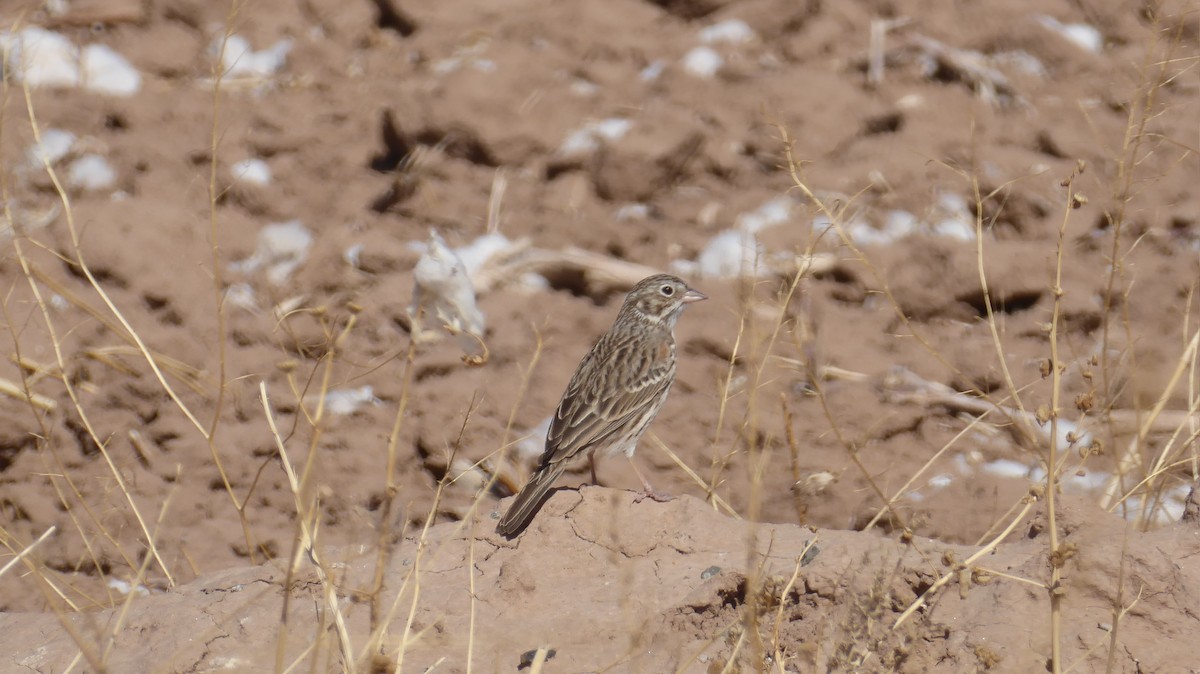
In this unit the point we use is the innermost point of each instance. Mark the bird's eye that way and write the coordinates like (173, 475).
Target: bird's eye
(667, 291)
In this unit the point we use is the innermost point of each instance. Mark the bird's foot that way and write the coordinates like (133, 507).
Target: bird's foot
(659, 496)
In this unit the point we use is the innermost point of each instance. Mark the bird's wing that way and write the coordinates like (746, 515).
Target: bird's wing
(602, 398)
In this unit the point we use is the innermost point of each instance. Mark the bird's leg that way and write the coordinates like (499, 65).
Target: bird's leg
(592, 465)
(648, 491)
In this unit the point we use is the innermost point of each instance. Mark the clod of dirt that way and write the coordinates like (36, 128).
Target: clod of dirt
(392, 17)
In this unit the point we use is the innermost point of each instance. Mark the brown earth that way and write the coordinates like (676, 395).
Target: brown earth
(611, 585)
(376, 131)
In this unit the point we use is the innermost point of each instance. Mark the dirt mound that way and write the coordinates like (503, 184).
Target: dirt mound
(606, 584)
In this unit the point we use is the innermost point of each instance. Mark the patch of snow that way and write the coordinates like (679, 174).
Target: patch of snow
(653, 71)
(774, 212)
(105, 71)
(253, 171)
(1080, 34)
(55, 145)
(239, 60)
(1007, 468)
(586, 140)
(91, 173)
(635, 211)
(703, 62)
(282, 247)
(731, 31)
(44, 58)
(344, 402)
(475, 254)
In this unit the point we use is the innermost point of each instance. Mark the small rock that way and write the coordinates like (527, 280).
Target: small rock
(809, 555)
(528, 657)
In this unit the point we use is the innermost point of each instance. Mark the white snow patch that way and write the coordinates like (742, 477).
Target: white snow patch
(344, 402)
(774, 212)
(1007, 468)
(731, 31)
(1021, 60)
(105, 71)
(730, 254)
(55, 145)
(653, 71)
(282, 247)
(703, 62)
(242, 296)
(533, 443)
(126, 588)
(44, 58)
(253, 171)
(239, 60)
(1080, 34)
(952, 218)
(475, 254)
(353, 255)
(586, 140)
(940, 481)
(635, 211)
(91, 173)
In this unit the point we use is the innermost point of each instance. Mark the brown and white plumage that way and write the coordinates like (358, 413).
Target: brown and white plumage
(616, 391)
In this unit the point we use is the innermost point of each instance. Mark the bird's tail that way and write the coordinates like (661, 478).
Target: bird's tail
(529, 501)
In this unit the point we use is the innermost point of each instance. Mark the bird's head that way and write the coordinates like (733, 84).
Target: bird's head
(659, 298)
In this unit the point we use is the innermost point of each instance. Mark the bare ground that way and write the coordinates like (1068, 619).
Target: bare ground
(784, 409)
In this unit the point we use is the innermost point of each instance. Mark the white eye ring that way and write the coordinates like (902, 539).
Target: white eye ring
(667, 291)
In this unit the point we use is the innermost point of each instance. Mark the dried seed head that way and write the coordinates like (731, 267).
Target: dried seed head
(1096, 448)
(1085, 401)
(1059, 557)
(1043, 414)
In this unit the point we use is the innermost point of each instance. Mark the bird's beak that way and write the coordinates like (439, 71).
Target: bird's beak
(693, 296)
